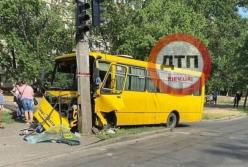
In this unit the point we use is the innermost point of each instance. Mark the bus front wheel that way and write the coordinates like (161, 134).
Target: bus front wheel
(172, 120)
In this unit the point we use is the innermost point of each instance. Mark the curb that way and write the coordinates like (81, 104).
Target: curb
(130, 138)
(227, 118)
(137, 136)
(101, 143)
(126, 138)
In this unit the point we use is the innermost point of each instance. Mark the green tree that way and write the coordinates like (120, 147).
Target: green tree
(134, 28)
(32, 33)
(225, 32)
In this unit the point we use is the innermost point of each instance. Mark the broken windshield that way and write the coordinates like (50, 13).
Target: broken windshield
(64, 76)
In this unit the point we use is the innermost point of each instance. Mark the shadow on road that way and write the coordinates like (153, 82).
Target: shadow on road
(234, 151)
(183, 125)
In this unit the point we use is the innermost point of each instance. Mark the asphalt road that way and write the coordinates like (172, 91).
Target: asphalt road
(205, 144)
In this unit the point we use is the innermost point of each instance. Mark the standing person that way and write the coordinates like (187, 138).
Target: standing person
(237, 99)
(215, 95)
(27, 96)
(1, 108)
(17, 95)
(210, 98)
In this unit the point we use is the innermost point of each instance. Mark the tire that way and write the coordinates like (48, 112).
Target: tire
(172, 120)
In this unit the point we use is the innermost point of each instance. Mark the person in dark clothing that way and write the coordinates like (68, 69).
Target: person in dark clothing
(215, 95)
(237, 99)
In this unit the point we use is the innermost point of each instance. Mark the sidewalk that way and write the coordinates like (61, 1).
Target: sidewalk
(14, 149)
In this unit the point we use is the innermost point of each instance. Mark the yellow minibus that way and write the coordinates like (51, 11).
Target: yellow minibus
(122, 92)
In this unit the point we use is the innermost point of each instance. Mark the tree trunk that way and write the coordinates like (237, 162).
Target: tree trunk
(13, 58)
(245, 98)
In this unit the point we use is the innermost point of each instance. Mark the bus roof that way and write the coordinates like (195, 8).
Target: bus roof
(104, 56)
(129, 61)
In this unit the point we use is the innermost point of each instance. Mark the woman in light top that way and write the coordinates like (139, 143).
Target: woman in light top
(27, 96)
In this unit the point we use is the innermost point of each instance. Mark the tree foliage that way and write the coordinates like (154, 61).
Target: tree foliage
(31, 33)
(134, 29)
(226, 31)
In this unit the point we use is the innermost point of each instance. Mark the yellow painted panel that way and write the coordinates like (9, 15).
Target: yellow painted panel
(135, 104)
(48, 116)
(108, 103)
(139, 108)
(62, 93)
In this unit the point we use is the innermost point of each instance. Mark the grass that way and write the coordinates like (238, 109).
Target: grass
(7, 117)
(206, 117)
(220, 113)
(124, 131)
(225, 100)
(223, 109)
(228, 100)
(245, 110)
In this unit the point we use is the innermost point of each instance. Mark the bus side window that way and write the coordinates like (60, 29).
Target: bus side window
(150, 84)
(197, 92)
(197, 89)
(107, 85)
(103, 68)
(136, 79)
(115, 79)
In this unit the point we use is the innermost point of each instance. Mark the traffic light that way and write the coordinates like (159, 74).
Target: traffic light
(96, 12)
(81, 18)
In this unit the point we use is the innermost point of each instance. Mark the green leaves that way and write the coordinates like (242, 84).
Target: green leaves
(133, 28)
(34, 33)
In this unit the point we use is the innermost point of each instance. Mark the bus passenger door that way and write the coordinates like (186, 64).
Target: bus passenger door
(109, 98)
(137, 108)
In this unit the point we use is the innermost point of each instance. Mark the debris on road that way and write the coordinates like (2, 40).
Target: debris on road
(58, 134)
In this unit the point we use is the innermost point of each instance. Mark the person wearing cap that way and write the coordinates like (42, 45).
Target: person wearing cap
(1, 108)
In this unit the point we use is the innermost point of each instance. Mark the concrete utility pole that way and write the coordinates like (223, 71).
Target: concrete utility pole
(83, 73)
(84, 101)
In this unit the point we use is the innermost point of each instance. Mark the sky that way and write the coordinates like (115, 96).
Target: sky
(243, 12)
